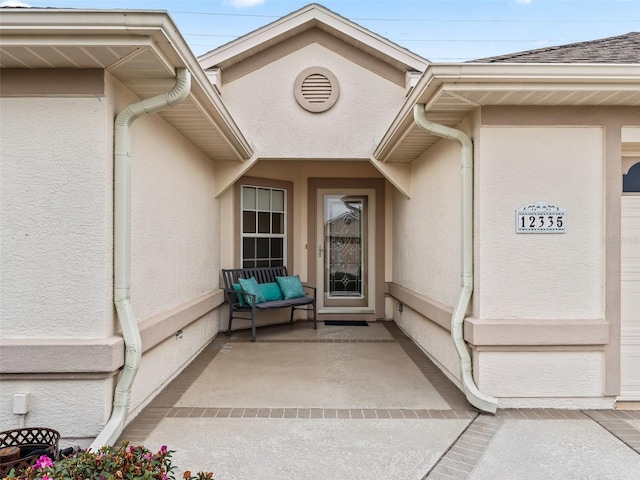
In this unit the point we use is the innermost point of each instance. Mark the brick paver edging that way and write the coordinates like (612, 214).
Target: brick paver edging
(618, 422)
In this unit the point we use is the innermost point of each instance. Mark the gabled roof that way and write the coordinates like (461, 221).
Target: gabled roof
(307, 18)
(141, 49)
(617, 50)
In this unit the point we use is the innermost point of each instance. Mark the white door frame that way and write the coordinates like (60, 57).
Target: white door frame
(370, 250)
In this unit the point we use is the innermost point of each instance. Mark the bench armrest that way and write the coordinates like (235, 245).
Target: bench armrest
(233, 291)
(309, 287)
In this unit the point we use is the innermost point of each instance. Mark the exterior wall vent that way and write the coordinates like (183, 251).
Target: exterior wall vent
(316, 89)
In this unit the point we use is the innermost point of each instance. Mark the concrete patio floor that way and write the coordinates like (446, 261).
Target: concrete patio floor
(362, 403)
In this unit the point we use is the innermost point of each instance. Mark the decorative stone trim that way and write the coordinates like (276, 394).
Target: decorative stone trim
(316, 89)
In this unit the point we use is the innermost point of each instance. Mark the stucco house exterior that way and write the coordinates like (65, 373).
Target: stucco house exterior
(498, 204)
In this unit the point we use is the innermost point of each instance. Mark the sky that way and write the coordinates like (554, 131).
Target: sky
(439, 30)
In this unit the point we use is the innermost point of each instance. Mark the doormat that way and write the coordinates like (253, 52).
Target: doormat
(346, 323)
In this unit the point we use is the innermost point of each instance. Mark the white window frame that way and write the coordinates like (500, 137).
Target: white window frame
(259, 186)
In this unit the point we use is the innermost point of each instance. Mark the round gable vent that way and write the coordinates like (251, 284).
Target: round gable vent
(316, 89)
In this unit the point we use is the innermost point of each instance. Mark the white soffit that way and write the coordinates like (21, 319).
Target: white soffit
(140, 49)
(451, 92)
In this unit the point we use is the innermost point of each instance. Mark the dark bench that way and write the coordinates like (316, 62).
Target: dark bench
(262, 275)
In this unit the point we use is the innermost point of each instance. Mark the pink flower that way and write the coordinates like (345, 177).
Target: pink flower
(148, 456)
(46, 477)
(44, 462)
(163, 449)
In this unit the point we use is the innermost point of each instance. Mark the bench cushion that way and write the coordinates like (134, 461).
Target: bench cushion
(285, 303)
(291, 287)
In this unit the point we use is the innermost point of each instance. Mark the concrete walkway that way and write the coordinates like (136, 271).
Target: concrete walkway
(347, 403)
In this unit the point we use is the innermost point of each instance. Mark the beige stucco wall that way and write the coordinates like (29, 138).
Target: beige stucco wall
(426, 235)
(427, 252)
(263, 104)
(533, 278)
(55, 220)
(534, 275)
(56, 261)
(433, 340)
(545, 378)
(175, 219)
(174, 242)
(537, 278)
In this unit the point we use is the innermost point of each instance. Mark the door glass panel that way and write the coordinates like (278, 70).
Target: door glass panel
(345, 236)
(343, 240)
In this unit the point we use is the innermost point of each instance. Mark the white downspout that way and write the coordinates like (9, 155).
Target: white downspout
(474, 395)
(122, 249)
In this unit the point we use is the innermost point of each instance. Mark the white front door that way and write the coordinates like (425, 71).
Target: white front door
(630, 331)
(345, 228)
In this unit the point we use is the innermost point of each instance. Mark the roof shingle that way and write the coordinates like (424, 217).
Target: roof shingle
(622, 49)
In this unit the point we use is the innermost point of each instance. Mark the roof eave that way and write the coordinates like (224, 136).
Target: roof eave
(106, 26)
(441, 78)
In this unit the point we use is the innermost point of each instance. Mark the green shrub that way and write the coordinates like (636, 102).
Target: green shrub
(108, 463)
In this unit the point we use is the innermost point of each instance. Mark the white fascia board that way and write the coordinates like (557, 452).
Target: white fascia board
(309, 17)
(37, 21)
(376, 42)
(500, 73)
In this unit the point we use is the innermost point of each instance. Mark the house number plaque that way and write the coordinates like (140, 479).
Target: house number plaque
(541, 217)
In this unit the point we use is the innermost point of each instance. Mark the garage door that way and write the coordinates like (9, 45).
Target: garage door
(630, 334)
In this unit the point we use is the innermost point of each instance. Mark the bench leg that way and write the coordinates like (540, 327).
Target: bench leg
(315, 317)
(230, 320)
(291, 318)
(253, 323)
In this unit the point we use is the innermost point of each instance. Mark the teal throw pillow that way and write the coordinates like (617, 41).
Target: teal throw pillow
(250, 285)
(241, 302)
(270, 291)
(291, 287)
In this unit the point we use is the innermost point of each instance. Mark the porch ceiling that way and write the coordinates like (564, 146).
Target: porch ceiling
(452, 92)
(140, 49)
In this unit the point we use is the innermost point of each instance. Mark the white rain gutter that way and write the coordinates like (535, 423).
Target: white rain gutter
(474, 395)
(122, 249)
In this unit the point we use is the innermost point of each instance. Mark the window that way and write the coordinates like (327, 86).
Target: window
(631, 181)
(263, 226)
